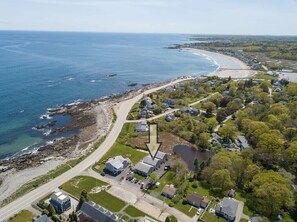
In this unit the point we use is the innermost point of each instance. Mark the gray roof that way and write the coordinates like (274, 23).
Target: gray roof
(244, 143)
(142, 126)
(60, 197)
(148, 160)
(160, 155)
(143, 167)
(42, 218)
(98, 213)
(117, 162)
(229, 206)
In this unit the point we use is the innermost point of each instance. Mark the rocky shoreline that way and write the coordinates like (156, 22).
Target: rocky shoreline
(84, 119)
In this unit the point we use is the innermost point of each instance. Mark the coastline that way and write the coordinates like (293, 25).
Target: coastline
(227, 65)
(101, 122)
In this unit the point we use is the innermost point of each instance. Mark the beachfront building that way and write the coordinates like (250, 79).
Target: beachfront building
(227, 208)
(61, 202)
(155, 163)
(90, 211)
(116, 165)
(169, 191)
(142, 126)
(143, 169)
(163, 157)
(197, 200)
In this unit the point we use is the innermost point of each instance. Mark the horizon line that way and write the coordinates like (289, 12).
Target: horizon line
(156, 33)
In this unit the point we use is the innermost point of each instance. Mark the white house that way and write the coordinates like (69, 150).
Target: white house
(117, 164)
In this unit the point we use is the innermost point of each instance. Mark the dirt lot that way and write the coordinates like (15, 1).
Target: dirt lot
(168, 141)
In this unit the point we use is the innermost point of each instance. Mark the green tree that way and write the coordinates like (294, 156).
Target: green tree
(228, 132)
(221, 180)
(265, 86)
(212, 123)
(268, 148)
(153, 178)
(72, 217)
(292, 89)
(271, 192)
(51, 210)
(203, 141)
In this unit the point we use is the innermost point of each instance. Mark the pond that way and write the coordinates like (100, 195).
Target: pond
(189, 154)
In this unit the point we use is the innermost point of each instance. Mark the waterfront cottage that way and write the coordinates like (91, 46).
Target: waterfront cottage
(163, 157)
(153, 162)
(169, 191)
(143, 169)
(61, 202)
(116, 165)
(227, 208)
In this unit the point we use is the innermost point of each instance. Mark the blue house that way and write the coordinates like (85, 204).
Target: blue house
(61, 202)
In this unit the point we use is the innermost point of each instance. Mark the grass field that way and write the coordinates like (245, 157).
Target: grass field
(77, 184)
(23, 216)
(119, 149)
(134, 212)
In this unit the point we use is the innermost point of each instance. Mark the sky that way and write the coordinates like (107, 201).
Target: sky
(252, 17)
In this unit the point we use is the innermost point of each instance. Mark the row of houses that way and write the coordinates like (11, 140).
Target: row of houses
(240, 142)
(191, 111)
(148, 164)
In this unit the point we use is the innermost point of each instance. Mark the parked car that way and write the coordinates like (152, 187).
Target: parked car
(199, 211)
(102, 174)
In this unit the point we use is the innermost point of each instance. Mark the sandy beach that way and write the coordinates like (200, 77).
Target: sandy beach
(228, 66)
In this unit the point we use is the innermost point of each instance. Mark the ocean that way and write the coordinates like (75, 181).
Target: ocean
(39, 70)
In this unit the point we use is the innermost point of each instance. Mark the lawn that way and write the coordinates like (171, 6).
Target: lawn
(79, 183)
(210, 217)
(23, 216)
(134, 212)
(119, 149)
(108, 201)
(264, 76)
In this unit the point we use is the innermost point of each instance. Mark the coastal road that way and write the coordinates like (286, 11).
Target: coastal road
(122, 109)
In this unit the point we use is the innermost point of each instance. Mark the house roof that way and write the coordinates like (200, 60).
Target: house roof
(228, 206)
(98, 213)
(244, 143)
(169, 190)
(142, 125)
(160, 155)
(42, 218)
(59, 197)
(148, 160)
(197, 199)
(117, 162)
(143, 167)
